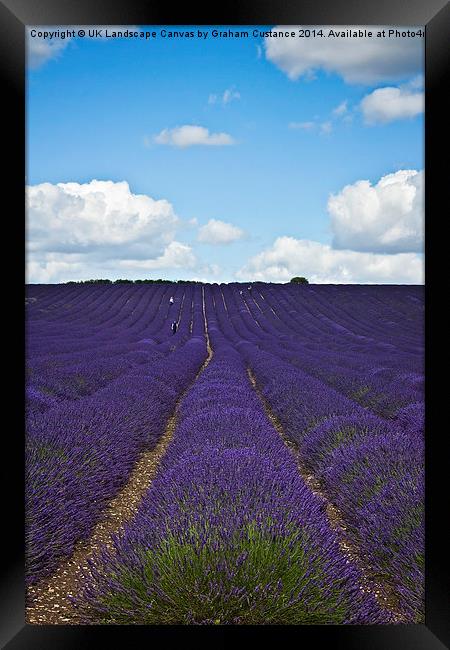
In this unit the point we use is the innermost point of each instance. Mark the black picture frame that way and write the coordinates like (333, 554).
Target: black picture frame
(14, 16)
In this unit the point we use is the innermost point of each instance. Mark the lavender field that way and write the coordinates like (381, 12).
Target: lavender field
(264, 464)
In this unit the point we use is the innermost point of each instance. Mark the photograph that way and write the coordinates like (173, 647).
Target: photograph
(224, 356)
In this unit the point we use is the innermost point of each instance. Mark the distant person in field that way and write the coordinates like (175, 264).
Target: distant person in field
(171, 301)
(250, 288)
(174, 327)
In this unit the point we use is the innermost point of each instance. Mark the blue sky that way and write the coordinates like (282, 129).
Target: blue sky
(281, 127)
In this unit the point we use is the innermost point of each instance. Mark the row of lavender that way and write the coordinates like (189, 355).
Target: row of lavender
(228, 533)
(353, 353)
(370, 467)
(79, 452)
(87, 341)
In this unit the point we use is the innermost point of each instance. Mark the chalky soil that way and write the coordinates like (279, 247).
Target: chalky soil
(369, 584)
(48, 602)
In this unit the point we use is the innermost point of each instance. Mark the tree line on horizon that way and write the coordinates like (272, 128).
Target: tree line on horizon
(294, 280)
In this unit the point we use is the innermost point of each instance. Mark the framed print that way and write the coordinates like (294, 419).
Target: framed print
(229, 351)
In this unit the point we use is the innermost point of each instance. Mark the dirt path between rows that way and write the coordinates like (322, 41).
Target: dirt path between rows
(47, 601)
(383, 593)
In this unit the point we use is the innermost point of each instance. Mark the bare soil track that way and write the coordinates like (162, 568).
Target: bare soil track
(383, 593)
(47, 601)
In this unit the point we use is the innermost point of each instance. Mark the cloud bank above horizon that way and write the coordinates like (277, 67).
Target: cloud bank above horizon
(79, 231)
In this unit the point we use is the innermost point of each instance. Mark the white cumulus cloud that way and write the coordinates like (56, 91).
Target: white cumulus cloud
(74, 216)
(175, 256)
(219, 232)
(82, 230)
(321, 264)
(227, 96)
(341, 109)
(55, 267)
(387, 217)
(359, 60)
(190, 135)
(388, 104)
(324, 128)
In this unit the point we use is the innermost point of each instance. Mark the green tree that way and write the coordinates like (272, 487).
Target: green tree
(299, 280)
